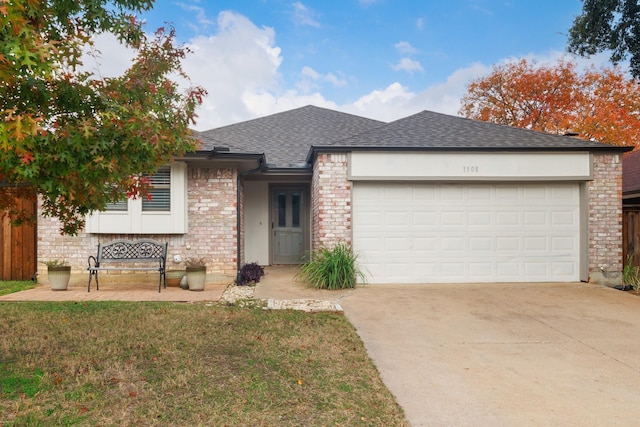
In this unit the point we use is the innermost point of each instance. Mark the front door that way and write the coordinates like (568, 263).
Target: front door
(288, 224)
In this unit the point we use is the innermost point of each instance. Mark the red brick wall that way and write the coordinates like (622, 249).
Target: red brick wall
(331, 201)
(605, 219)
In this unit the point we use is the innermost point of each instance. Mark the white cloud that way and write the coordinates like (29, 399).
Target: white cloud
(239, 58)
(302, 15)
(202, 20)
(420, 23)
(312, 80)
(109, 58)
(396, 101)
(405, 48)
(239, 66)
(408, 65)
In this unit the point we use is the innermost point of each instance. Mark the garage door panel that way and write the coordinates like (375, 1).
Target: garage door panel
(467, 233)
(531, 218)
(479, 218)
(482, 270)
(509, 218)
(564, 243)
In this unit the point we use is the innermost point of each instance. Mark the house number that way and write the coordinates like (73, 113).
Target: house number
(471, 169)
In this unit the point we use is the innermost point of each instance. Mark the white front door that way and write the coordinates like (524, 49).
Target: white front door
(288, 223)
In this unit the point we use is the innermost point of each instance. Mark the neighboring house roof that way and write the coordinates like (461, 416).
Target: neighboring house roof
(285, 138)
(631, 173)
(430, 130)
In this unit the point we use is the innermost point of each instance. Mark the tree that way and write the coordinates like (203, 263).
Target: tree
(608, 25)
(78, 140)
(598, 104)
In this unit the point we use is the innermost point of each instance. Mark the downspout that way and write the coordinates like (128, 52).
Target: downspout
(238, 213)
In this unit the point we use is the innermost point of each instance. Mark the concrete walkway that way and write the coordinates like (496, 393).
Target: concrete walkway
(114, 290)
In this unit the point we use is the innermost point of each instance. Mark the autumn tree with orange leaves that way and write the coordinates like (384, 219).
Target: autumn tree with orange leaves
(598, 104)
(78, 140)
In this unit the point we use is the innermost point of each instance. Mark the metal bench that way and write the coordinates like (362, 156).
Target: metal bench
(118, 253)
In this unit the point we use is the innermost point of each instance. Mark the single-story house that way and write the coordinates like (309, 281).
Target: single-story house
(427, 198)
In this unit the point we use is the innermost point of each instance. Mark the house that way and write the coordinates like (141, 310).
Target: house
(631, 207)
(427, 198)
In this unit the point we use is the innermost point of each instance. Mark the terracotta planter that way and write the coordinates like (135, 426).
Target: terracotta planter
(174, 277)
(196, 277)
(59, 277)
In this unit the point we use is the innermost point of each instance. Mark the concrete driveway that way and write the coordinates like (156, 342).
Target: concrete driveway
(504, 354)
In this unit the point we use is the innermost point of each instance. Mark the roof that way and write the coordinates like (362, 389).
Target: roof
(291, 138)
(430, 130)
(285, 138)
(631, 173)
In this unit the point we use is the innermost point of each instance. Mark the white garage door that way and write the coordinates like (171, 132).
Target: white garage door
(434, 233)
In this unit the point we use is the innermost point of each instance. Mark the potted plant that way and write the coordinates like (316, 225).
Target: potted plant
(196, 270)
(59, 273)
(174, 277)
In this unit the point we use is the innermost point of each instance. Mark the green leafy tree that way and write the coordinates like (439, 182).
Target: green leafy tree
(608, 25)
(78, 140)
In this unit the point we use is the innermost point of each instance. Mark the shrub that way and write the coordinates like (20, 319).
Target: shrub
(332, 268)
(250, 274)
(631, 275)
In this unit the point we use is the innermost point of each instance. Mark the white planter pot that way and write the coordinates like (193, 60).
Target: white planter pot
(196, 277)
(59, 277)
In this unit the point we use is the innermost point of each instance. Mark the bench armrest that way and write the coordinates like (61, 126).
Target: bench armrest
(95, 262)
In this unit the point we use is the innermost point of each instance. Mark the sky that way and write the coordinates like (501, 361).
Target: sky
(382, 59)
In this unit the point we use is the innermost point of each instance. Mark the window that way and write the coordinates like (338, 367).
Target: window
(160, 193)
(165, 212)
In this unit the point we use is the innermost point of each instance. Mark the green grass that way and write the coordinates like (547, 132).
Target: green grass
(148, 364)
(9, 287)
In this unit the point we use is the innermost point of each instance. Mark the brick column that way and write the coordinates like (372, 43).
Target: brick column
(331, 201)
(212, 218)
(605, 220)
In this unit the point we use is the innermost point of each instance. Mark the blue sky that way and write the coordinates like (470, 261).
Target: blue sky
(383, 59)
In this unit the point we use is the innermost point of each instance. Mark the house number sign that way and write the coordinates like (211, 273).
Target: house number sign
(470, 169)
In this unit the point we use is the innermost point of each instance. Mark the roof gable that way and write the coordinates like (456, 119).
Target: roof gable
(285, 138)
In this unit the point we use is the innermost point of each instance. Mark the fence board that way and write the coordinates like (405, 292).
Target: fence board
(18, 247)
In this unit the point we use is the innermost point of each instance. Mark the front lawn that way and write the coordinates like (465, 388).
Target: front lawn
(9, 287)
(145, 364)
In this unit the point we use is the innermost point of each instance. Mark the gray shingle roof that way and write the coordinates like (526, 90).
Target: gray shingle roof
(285, 138)
(288, 139)
(434, 130)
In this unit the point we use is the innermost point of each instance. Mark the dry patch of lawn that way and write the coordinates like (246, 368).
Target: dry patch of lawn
(109, 363)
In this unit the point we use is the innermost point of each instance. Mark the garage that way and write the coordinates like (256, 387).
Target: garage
(417, 232)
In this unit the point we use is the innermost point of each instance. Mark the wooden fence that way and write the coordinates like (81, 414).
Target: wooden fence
(18, 259)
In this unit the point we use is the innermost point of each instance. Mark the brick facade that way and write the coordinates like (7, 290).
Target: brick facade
(212, 220)
(605, 219)
(331, 201)
(212, 229)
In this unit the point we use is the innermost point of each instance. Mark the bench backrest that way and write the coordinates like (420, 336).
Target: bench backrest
(132, 251)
